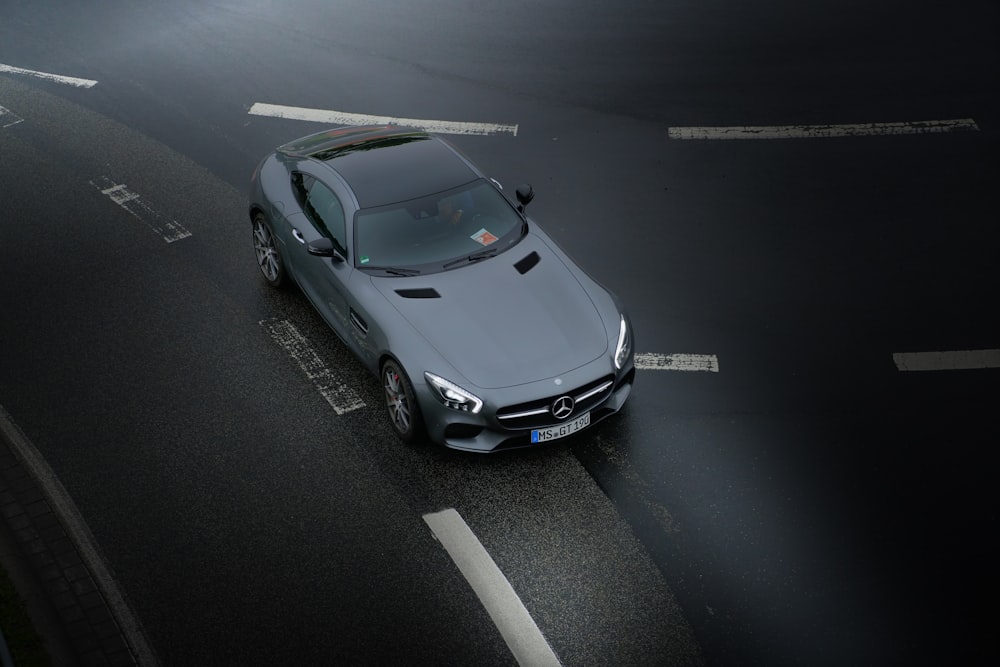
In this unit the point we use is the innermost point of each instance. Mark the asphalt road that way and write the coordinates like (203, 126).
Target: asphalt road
(809, 503)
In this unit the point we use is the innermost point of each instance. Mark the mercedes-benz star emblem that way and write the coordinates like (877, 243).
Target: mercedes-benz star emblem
(563, 407)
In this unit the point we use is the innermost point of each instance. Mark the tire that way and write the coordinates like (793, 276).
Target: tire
(265, 246)
(401, 404)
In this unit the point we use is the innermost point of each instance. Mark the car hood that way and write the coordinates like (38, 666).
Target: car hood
(500, 327)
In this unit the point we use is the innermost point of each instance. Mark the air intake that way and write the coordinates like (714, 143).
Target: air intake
(527, 263)
(419, 293)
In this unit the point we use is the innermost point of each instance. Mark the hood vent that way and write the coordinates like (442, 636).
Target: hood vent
(527, 263)
(419, 293)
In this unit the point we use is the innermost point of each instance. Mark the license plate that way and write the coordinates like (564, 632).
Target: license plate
(561, 431)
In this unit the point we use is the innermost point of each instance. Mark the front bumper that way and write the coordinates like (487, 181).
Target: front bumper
(488, 432)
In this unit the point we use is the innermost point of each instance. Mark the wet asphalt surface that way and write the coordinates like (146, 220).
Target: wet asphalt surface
(808, 504)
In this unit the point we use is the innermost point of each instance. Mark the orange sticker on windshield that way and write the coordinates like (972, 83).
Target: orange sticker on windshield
(483, 237)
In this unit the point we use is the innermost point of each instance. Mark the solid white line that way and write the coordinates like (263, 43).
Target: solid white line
(516, 626)
(8, 118)
(331, 117)
(947, 361)
(677, 362)
(341, 397)
(820, 131)
(57, 78)
(170, 230)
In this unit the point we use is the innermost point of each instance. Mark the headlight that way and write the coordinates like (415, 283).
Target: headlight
(454, 396)
(624, 347)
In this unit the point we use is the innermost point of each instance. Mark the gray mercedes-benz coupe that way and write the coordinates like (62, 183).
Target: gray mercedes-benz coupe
(484, 333)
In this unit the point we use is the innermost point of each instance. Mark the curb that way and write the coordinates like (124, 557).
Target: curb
(51, 558)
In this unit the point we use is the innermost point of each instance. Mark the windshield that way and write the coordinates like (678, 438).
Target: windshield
(437, 232)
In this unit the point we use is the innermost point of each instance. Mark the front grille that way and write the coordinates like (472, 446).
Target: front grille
(538, 413)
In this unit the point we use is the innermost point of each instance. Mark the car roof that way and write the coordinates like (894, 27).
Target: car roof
(386, 164)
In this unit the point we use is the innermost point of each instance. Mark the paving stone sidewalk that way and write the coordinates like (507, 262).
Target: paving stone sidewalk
(67, 607)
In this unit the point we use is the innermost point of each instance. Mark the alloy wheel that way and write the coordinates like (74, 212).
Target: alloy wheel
(400, 403)
(265, 247)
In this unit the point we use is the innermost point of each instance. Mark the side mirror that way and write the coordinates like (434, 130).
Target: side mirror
(524, 195)
(323, 247)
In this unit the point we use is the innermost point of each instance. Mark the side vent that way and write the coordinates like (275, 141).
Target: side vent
(359, 323)
(419, 293)
(527, 263)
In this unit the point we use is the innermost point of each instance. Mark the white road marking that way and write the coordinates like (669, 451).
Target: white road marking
(170, 230)
(57, 78)
(516, 626)
(947, 361)
(677, 362)
(8, 118)
(341, 397)
(819, 131)
(331, 117)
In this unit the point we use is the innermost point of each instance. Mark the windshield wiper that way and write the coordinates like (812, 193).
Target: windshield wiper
(394, 270)
(474, 257)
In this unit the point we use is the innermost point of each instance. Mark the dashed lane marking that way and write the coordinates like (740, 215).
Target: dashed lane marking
(735, 132)
(57, 78)
(503, 605)
(947, 361)
(677, 362)
(331, 117)
(169, 229)
(339, 394)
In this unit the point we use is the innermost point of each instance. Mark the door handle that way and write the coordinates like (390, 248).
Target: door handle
(298, 236)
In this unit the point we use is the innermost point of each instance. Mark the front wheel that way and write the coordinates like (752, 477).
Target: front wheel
(400, 402)
(265, 246)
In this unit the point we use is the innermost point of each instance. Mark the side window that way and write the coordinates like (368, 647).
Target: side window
(323, 209)
(300, 186)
